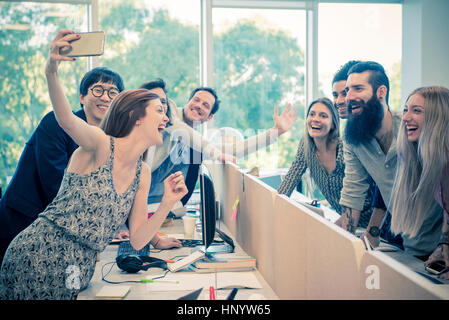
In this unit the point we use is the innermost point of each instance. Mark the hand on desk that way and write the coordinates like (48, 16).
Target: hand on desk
(168, 243)
(123, 235)
(441, 253)
(374, 241)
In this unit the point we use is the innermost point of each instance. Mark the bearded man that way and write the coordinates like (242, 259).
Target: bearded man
(370, 151)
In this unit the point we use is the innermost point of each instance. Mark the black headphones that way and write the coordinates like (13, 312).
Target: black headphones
(132, 263)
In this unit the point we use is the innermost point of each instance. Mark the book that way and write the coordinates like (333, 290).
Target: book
(226, 261)
(185, 262)
(113, 292)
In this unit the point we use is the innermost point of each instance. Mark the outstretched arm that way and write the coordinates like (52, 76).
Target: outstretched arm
(86, 136)
(282, 123)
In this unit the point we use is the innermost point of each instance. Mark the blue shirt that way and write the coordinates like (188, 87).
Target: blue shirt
(178, 160)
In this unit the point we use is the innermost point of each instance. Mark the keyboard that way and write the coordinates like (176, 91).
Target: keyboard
(191, 242)
(125, 248)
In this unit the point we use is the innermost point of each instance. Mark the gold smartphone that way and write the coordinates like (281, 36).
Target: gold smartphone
(89, 44)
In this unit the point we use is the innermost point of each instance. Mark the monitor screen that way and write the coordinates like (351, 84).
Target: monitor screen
(208, 209)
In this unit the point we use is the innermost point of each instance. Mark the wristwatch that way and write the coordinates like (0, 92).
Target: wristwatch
(374, 231)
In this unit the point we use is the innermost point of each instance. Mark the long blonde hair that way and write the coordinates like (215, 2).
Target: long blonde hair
(420, 164)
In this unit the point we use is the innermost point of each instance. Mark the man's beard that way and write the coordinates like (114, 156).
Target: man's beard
(361, 128)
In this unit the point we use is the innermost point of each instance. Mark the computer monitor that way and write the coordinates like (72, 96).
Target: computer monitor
(208, 210)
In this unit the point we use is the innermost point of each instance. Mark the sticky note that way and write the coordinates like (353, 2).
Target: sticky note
(236, 203)
(234, 215)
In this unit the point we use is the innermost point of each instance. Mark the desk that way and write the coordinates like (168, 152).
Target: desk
(315, 259)
(139, 290)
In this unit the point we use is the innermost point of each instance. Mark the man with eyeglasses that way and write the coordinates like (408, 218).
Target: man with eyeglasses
(41, 166)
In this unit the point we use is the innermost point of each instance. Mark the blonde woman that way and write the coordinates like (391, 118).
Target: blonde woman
(423, 167)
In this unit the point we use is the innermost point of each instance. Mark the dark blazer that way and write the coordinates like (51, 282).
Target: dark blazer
(37, 177)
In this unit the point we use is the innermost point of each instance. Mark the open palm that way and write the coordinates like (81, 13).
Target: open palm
(285, 121)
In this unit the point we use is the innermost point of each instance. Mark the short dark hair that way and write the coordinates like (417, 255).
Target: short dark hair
(377, 77)
(159, 83)
(213, 93)
(100, 74)
(156, 83)
(342, 73)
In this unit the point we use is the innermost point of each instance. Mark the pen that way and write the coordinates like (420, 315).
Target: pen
(231, 295)
(211, 293)
(151, 281)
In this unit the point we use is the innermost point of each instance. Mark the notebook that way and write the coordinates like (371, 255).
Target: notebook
(113, 292)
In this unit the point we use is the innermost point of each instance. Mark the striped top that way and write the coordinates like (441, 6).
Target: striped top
(330, 185)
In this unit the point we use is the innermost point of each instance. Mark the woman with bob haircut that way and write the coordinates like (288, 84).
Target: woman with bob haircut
(321, 150)
(104, 183)
(423, 167)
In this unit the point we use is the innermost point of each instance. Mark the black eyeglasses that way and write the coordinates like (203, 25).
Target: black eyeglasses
(98, 91)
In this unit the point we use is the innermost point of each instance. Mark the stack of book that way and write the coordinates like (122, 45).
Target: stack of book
(224, 262)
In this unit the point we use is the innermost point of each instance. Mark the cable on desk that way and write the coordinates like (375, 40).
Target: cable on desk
(103, 276)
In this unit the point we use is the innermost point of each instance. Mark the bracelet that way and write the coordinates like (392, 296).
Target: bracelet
(154, 245)
(446, 243)
(444, 238)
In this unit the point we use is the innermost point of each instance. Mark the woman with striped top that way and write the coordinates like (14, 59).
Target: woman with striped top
(321, 150)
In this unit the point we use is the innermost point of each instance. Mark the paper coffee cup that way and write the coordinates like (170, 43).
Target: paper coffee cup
(189, 226)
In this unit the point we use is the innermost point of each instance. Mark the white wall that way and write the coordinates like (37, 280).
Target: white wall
(425, 46)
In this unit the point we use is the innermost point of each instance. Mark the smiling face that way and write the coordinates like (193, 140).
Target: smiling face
(339, 95)
(413, 117)
(358, 92)
(154, 121)
(198, 109)
(160, 92)
(96, 107)
(319, 121)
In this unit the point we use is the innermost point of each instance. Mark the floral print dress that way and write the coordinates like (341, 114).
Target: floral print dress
(55, 257)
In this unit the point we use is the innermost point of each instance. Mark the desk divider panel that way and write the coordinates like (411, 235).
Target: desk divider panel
(385, 278)
(228, 187)
(255, 224)
(290, 254)
(315, 258)
(333, 259)
(304, 256)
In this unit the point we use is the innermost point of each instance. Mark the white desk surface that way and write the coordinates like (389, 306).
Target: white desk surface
(139, 291)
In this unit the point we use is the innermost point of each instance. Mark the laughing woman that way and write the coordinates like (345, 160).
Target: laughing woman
(104, 183)
(321, 150)
(423, 166)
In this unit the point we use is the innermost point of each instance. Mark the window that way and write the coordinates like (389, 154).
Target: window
(26, 30)
(259, 57)
(153, 39)
(360, 32)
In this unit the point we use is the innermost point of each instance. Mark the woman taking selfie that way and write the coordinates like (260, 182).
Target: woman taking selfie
(321, 150)
(104, 183)
(423, 167)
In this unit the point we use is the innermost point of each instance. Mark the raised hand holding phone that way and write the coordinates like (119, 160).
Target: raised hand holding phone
(81, 132)
(61, 41)
(86, 44)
